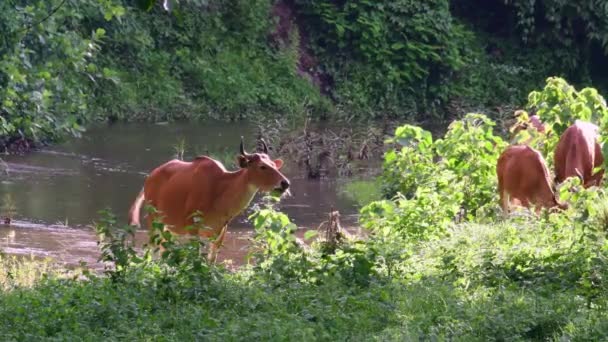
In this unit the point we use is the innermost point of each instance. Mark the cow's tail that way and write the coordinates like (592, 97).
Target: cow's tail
(136, 208)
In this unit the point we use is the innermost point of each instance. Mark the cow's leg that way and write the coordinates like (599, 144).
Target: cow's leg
(504, 198)
(219, 241)
(503, 202)
(216, 244)
(525, 202)
(596, 179)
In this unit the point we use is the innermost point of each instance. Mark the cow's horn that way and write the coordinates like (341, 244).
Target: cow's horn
(264, 147)
(242, 147)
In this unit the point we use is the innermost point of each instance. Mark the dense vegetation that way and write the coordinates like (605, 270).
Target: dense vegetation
(65, 63)
(440, 261)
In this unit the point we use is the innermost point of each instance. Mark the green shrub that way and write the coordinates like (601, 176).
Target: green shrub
(384, 55)
(198, 61)
(461, 165)
(559, 105)
(46, 69)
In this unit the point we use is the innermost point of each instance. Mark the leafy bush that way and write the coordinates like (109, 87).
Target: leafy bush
(107, 59)
(424, 272)
(559, 105)
(563, 38)
(566, 24)
(200, 60)
(460, 166)
(524, 278)
(382, 55)
(46, 69)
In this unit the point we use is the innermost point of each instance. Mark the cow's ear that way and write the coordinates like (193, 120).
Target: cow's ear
(278, 163)
(242, 161)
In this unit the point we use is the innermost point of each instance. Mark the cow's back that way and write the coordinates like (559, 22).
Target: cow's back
(161, 185)
(577, 152)
(522, 172)
(176, 188)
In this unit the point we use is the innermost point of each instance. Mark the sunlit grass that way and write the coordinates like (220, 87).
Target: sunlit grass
(24, 271)
(362, 191)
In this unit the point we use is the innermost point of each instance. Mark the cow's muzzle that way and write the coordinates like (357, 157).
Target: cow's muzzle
(283, 188)
(284, 185)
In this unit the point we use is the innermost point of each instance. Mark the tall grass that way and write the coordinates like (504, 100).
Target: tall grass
(24, 271)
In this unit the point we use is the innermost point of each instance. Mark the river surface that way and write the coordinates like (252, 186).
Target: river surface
(58, 191)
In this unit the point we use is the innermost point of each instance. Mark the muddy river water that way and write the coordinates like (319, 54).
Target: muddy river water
(57, 192)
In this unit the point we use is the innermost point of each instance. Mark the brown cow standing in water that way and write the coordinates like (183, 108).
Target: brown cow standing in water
(578, 153)
(179, 190)
(523, 176)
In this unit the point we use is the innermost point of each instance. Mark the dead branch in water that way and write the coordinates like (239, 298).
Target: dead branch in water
(334, 233)
(322, 152)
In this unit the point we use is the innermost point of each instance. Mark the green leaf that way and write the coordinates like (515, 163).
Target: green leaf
(100, 33)
(397, 46)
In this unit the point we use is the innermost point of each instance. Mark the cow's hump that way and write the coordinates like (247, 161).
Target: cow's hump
(209, 165)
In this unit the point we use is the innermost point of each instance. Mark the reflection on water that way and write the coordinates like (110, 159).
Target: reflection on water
(57, 192)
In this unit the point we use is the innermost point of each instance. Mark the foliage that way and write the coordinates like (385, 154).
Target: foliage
(23, 271)
(100, 59)
(406, 58)
(117, 245)
(460, 167)
(570, 25)
(229, 72)
(559, 105)
(275, 252)
(524, 278)
(431, 183)
(499, 74)
(421, 274)
(562, 38)
(46, 68)
(280, 257)
(383, 53)
(66, 63)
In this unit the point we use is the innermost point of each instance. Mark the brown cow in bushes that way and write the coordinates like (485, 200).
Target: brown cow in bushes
(578, 153)
(523, 177)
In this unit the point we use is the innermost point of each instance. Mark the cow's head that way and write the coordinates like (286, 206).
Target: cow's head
(263, 172)
(523, 122)
(557, 204)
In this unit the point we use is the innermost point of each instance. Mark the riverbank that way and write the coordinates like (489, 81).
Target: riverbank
(54, 194)
(449, 289)
(440, 261)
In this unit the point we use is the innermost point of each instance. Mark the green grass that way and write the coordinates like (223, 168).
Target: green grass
(516, 280)
(24, 271)
(422, 272)
(362, 191)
